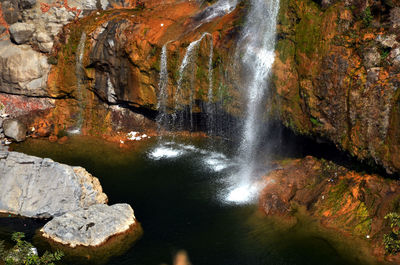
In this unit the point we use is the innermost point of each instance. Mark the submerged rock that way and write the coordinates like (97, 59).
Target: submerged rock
(15, 129)
(91, 226)
(37, 187)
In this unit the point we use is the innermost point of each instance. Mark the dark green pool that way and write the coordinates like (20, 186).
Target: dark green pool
(178, 196)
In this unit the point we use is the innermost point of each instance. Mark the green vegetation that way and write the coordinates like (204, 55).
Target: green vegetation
(24, 253)
(337, 195)
(391, 241)
(367, 17)
(315, 121)
(52, 60)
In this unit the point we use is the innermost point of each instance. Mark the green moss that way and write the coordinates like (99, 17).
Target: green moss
(337, 194)
(308, 30)
(362, 215)
(367, 17)
(315, 121)
(156, 66)
(286, 49)
(201, 73)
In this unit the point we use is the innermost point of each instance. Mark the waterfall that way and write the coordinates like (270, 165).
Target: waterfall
(220, 8)
(162, 117)
(79, 71)
(189, 60)
(210, 109)
(256, 48)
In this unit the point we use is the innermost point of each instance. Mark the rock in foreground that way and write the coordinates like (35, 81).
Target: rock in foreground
(37, 187)
(90, 226)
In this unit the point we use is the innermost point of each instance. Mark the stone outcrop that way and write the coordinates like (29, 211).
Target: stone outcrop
(91, 226)
(22, 70)
(21, 32)
(345, 200)
(14, 129)
(37, 187)
(336, 75)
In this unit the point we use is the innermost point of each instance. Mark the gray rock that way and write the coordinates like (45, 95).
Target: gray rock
(15, 129)
(27, 4)
(37, 187)
(11, 12)
(42, 36)
(372, 58)
(2, 29)
(23, 71)
(45, 46)
(388, 40)
(395, 17)
(91, 226)
(21, 32)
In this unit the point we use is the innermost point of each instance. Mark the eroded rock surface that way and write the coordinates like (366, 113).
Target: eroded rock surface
(337, 74)
(37, 187)
(22, 70)
(345, 200)
(90, 226)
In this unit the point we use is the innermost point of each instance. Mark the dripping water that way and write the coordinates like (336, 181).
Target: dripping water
(188, 64)
(210, 108)
(79, 71)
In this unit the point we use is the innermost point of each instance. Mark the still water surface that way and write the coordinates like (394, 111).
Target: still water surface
(179, 194)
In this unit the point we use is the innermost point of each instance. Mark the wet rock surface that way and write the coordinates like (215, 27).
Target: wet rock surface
(90, 226)
(37, 187)
(336, 75)
(345, 200)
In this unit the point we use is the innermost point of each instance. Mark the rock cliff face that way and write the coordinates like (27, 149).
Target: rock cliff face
(95, 67)
(92, 59)
(337, 73)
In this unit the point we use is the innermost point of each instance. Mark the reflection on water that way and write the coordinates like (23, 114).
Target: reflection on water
(181, 202)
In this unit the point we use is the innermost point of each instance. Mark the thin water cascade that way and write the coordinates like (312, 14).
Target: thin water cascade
(162, 117)
(79, 71)
(188, 64)
(210, 109)
(220, 8)
(257, 54)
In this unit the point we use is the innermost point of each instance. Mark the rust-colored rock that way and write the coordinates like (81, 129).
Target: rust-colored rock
(350, 202)
(53, 138)
(336, 76)
(62, 140)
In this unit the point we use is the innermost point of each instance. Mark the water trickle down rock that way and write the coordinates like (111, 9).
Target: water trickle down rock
(186, 79)
(79, 77)
(210, 109)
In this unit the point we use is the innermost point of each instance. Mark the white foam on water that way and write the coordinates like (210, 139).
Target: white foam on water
(243, 194)
(165, 152)
(217, 161)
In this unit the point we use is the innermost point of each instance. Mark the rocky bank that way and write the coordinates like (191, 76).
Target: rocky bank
(350, 202)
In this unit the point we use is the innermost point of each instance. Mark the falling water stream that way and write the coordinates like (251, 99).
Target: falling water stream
(256, 48)
(162, 118)
(79, 71)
